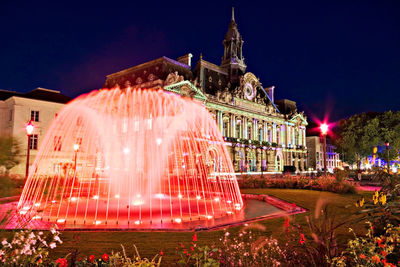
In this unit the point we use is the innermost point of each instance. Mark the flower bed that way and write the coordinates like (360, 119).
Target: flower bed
(328, 183)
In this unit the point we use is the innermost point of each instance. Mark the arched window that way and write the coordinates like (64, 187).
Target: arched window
(260, 134)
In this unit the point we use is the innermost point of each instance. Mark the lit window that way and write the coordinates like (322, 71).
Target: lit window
(33, 142)
(34, 115)
(226, 128)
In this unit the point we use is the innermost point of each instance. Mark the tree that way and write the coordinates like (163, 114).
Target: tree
(9, 152)
(359, 134)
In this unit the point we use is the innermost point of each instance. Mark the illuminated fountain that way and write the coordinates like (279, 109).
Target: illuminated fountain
(131, 158)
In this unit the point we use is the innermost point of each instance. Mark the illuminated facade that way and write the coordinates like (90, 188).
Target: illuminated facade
(316, 155)
(262, 134)
(16, 109)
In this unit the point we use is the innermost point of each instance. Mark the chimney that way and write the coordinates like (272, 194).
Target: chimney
(186, 59)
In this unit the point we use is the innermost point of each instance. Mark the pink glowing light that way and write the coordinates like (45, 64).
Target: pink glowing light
(324, 128)
(131, 157)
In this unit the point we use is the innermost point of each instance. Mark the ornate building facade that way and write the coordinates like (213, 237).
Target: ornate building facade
(263, 135)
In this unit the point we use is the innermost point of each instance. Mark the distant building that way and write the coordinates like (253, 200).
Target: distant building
(315, 148)
(262, 134)
(16, 109)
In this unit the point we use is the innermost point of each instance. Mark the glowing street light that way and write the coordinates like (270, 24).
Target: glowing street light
(29, 130)
(324, 131)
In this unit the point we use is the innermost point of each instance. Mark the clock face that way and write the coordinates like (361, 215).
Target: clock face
(249, 91)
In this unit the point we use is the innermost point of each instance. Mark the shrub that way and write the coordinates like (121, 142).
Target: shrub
(322, 183)
(370, 250)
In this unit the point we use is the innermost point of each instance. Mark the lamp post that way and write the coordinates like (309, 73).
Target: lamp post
(387, 152)
(29, 130)
(324, 131)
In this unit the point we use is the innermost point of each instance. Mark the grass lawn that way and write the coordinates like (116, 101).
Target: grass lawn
(151, 243)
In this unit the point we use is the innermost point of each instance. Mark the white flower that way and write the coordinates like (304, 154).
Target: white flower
(31, 235)
(40, 233)
(227, 233)
(52, 245)
(57, 238)
(53, 231)
(4, 242)
(1, 253)
(44, 243)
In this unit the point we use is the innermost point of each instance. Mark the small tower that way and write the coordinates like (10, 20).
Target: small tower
(233, 59)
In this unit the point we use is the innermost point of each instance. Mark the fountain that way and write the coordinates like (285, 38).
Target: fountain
(130, 159)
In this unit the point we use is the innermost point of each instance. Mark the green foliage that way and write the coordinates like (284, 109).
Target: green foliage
(28, 248)
(371, 250)
(384, 207)
(330, 183)
(248, 249)
(10, 186)
(194, 255)
(359, 134)
(9, 152)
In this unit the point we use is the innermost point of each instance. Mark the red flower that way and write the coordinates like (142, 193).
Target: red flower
(194, 238)
(362, 256)
(302, 239)
(192, 248)
(91, 258)
(185, 251)
(161, 253)
(105, 257)
(384, 253)
(62, 262)
(293, 205)
(40, 260)
(376, 259)
(287, 224)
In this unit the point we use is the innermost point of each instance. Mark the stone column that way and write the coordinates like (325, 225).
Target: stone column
(233, 125)
(244, 128)
(255, 130)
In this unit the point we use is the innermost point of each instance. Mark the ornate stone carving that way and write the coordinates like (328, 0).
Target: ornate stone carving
(173, 78)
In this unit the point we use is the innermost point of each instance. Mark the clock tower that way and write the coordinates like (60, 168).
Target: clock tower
(233, 59)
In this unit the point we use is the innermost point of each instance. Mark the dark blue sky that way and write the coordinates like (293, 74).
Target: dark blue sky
(338, 56)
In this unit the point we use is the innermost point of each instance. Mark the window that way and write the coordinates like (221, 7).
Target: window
(226, 128)
(260, 134)
(57, 143)
(278, 137)
(270, 136)
(237, 130)
(249, 133)
(33, 142)
(34, 115)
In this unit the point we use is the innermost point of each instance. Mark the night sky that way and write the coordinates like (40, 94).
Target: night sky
(332, 57)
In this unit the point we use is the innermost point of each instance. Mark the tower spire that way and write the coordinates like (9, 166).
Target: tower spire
(233, 13)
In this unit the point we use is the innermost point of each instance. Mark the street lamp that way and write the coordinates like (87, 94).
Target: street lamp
(388, 159)
(29, 130)
(324, 131)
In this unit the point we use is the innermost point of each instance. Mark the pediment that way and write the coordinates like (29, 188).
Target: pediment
(299, 118)
(186, 89)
